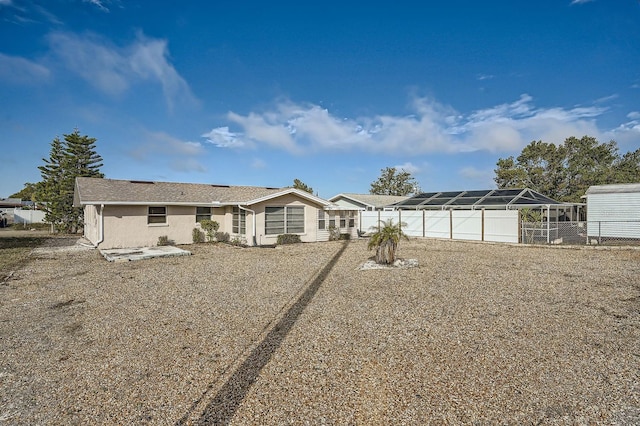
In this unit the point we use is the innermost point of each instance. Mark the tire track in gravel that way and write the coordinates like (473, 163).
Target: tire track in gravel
(223, 406)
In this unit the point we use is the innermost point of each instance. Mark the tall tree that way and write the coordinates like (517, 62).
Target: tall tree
(298, 184)
(26, 193)
(394, 182)
(566, 171)
(627, 168)
(68, 159)
(50, 191)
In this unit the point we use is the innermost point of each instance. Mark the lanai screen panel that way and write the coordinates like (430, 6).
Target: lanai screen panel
(478, 199)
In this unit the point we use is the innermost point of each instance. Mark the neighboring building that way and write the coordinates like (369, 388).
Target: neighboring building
(366, 202)
(130, 213)
(613, 211)
(10, 203)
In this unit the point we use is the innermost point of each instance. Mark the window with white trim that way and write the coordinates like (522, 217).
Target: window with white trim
(284, 220)
(321, 220)
(156, 214)
(332, 220)
(352, 219)
(343, 220)
(239, 225)
(203, 213)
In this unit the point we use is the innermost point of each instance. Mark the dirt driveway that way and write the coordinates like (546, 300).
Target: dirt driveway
(477, 333)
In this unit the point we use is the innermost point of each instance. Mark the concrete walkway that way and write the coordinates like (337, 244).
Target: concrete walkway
(140, 253)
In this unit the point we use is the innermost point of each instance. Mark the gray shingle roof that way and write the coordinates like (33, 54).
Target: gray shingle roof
(112, 191)
(377, 201)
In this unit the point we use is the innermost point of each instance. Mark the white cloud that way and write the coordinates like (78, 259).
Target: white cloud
(181, 155)
(223, 138)
(22, 71)
(433, 127)
(113, 70)
(408, 167)
(98, 3)
(627, 135)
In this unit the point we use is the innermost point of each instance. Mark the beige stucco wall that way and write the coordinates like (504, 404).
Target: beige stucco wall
(310, 218)
(126, 226)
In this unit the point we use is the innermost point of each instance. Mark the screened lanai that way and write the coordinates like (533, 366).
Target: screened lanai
(537, 223)
(509, 199)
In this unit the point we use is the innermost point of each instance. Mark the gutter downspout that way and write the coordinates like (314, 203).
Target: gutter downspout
(253, 215)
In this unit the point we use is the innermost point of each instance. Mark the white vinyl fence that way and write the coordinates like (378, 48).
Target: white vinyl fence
(28, 216)
(476, 225)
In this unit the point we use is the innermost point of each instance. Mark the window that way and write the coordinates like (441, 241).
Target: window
(284, 220)
(203, 213)
(157, 215)
(343, 220)
(295, 220)
(332, 220)
(321, 219)
(239, 221)
(352, 219)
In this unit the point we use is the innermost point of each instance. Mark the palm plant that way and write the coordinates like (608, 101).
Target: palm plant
(385, 240)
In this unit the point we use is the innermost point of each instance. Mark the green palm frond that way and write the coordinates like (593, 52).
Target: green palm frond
(387, 231)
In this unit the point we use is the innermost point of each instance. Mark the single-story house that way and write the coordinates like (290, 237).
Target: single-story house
(132, 213)
(366, 202)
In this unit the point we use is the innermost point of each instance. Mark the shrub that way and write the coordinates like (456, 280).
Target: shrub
(163, 240)
(288, 239)
(221, 237)
(238, 241)
(197, 235)
(334, 233)
(210, 227)
(345, 236)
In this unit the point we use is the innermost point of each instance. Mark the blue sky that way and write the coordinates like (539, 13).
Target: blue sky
(261, 93)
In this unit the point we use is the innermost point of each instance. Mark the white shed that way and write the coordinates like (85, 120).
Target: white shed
(613, 211)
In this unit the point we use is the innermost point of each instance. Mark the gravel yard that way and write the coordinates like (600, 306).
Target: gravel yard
(477, 333)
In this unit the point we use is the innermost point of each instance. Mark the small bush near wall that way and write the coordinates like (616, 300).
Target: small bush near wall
(197, 235)
(222, 237)
(210, 227)
(345, 236)
(334, 233)
(288, 239)
(238, 242)
(163, 240)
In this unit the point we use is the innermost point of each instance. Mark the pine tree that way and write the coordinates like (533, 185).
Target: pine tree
(298, 184)
(81, 159)
(50, 188)
(74, 157)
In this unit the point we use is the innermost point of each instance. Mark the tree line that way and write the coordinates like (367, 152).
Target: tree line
(563, 172)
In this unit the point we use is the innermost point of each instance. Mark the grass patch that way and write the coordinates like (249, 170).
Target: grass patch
(14, 252)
